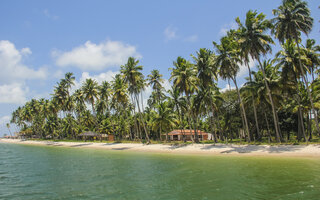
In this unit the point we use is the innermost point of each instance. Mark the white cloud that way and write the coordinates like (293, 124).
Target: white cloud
(91, 56)
(49, 15)
(14, 73)
(170, 33)
(11, 65)
(225, 28)
(13, 93)
(192, 38)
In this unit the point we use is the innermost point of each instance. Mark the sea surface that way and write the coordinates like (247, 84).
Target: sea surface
(38, 172)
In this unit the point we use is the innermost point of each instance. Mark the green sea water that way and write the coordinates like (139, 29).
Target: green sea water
(37, 172)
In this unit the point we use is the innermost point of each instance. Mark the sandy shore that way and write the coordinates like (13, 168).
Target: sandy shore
(206, 149)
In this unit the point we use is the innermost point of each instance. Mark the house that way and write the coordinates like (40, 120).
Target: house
(177, 135)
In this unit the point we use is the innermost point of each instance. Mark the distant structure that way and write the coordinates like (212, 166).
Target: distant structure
(177, 135)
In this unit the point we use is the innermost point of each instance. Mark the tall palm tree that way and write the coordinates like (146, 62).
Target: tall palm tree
(258, 87)
(132, 75)
(289, 60)
(291, 19)
(254, 42)
(155, 80)
(184, 77)
(90, 92)
(228, 59)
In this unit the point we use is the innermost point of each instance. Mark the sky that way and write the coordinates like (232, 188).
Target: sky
(41, 40)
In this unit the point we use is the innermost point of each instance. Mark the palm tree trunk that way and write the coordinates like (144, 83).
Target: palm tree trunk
(196, 138)
(242, 107)
(142, 120)
(190, 128)
(300, 114)
(181, 125)
(212, 121)
(307, 87)
(275, 119)
(137, 133)
(268, 129)
(302, 124)
(254, 106)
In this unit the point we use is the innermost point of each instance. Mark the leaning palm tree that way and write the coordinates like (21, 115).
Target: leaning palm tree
(228, 60)
(90, 92)
(291, 19)
(254, 42)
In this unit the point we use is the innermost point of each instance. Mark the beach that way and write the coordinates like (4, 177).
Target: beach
(312, 150)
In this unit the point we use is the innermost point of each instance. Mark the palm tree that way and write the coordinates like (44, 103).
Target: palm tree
(184, 77)
(258, 87)
(291, 19)
(228, 60)
(156, 81)
(8, 127)
(132, 75)
(68, 80)
(164, 119)
(90, 92)
(289, 60)
(79, 101)
(254, 42)
(312, 52)
(204, 62)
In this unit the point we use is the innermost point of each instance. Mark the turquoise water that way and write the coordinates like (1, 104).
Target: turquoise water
(35, 172)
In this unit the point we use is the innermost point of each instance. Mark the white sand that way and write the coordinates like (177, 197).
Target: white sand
(206, 149)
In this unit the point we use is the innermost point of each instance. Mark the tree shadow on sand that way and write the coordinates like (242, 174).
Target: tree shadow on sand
(81, 145)
(177, 146)
(121, 148)
(257, 149)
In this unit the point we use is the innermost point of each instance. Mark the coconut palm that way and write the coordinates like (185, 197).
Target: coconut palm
(90, 92)
(312, 52)
(164, 119)
(291, 19)
(132, 75)
(205, 67)
(289, 60)
(155, 80)
(254, 42)
(184, 77)
(228, 59)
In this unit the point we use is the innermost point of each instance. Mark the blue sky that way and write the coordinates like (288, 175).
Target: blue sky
(42, 40)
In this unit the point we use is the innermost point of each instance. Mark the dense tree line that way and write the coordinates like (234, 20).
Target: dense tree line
(278, 102)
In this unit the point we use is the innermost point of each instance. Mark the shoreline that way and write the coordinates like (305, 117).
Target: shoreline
(312, 150)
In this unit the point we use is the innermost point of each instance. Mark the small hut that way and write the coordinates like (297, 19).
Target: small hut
(177, 135)
(89, 135)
